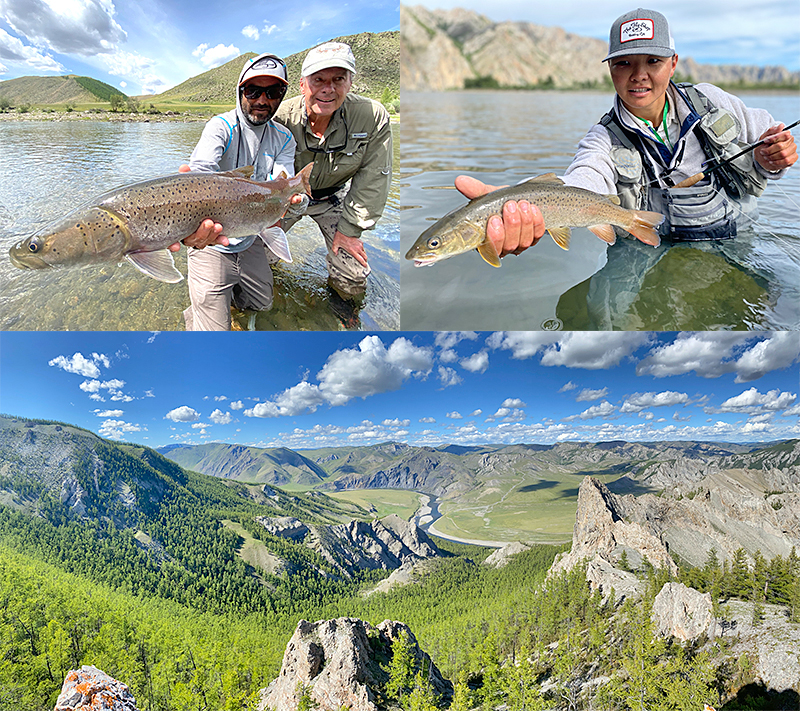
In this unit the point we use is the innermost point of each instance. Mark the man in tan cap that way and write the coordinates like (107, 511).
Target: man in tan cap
(349, 139)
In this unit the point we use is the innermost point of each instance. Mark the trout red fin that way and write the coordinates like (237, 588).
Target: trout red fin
(488, 252)
(643, 226)
(605, 233)
(560, 235)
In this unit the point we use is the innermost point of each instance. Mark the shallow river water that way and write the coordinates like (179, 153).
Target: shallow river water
(503, 137)
(49, 168)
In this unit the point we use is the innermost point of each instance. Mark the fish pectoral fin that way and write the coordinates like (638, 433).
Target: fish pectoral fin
(605, 233)
(560, 236)
(488, 252)
(245, 171)
(158, 265)
(275, 239)
(546, 178)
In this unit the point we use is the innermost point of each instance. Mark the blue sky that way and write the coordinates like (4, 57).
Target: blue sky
(711, 32)
(148, 46)
(307, 390)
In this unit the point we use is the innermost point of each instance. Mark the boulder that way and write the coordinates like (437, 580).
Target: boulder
(89, 689)
(340, 663)
(682, 612)
(502, 556)
(603, 576)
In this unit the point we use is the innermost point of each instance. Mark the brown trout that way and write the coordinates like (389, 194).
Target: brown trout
(562, 207)
(138, 222)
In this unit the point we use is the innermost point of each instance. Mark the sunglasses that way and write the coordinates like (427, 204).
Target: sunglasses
(272, 92)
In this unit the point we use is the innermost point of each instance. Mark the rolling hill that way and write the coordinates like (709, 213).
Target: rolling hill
(377, 65)
(70, 89)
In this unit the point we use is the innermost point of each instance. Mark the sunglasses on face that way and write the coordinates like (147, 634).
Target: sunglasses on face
(272, 92)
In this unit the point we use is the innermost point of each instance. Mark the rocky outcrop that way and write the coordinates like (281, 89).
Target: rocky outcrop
(385, 544)
(603, 576)
(284, 527)
(89, 689)
(502, 556)
(682, 612)
(603, 531)
(440, 49)
(340, 664)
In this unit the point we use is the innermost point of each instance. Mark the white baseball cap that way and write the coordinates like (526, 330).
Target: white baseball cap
(330, 54)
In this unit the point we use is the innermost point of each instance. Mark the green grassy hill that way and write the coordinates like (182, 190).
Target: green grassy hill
(377, 65)
(45, 91)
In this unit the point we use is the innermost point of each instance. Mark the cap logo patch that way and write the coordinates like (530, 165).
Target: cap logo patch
(636, 30)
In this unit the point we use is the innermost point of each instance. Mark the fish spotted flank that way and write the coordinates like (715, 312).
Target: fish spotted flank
(562, 207)
(138, 222)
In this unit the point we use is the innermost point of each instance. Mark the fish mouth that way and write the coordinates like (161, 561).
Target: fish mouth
(425, 262)
(24, 260)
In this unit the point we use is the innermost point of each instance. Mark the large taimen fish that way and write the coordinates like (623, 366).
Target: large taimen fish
(138, 222)
(562, 207)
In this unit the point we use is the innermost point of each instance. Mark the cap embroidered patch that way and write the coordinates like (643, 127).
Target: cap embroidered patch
(636, 30)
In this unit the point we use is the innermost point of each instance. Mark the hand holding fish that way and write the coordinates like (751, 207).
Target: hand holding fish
(521, 225)
(352, 245)
(778, 151)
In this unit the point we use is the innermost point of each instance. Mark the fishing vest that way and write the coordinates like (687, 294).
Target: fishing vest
(707, 210)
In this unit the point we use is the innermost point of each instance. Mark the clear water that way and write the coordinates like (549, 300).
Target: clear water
(48, 168)
(752, 282)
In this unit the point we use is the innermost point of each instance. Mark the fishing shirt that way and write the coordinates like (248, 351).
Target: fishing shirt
(593, 169)
(361, 131)
(230, 141)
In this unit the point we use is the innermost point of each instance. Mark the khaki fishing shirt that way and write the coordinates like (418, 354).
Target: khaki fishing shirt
(356, 146)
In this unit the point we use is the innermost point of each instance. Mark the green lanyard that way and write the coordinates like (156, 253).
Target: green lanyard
(665, 141)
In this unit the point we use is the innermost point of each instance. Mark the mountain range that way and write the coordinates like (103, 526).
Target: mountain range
(450, 471)
(450, 49)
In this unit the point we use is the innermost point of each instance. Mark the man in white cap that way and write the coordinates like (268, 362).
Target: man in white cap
(349, 139)
(237, 271)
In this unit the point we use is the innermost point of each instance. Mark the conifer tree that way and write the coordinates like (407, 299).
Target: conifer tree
(401, 668)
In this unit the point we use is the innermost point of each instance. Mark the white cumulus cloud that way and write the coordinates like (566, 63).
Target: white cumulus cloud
(588, 395)
(218, 417)
(211, 57)
(81, 365)
(476, 363)
(640, 401)
(754, 402)
(184, 413)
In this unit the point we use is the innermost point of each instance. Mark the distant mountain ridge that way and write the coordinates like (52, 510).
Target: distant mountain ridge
(448, 471)
(444, 49)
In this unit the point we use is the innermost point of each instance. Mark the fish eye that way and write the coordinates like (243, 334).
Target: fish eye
(34, 246)
(433, 242)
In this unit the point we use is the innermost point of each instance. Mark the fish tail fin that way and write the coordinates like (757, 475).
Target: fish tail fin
(643, 226)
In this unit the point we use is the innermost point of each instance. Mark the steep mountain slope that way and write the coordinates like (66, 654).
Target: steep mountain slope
(272, 466)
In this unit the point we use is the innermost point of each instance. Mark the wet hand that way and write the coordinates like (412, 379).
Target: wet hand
(353, 245)
(779, 150)
(209, 232)
(521, 225)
